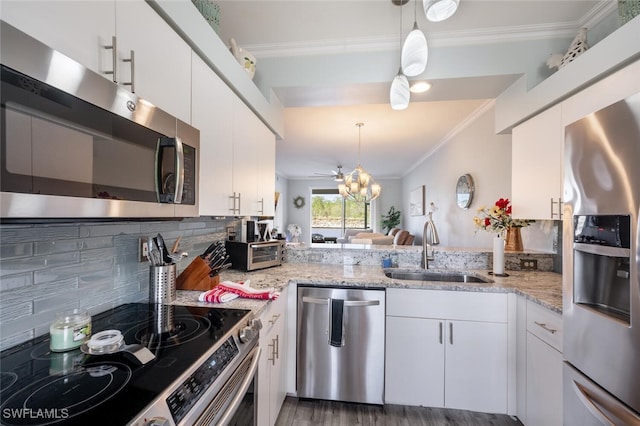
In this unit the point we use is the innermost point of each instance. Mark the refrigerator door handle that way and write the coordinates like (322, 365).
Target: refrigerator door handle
(318, 301)
(591, 402)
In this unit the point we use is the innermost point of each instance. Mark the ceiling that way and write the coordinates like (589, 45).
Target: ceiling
(330, 63)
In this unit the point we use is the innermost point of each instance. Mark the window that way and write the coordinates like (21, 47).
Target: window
(330, 213)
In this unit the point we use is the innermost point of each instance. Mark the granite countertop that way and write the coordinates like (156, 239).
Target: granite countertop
(544, 288)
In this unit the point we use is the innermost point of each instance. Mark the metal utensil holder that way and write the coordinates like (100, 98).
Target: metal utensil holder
(162, 283)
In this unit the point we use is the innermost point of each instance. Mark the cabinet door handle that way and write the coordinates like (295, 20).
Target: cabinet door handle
(277, 350)
(132, 60)
(559, 203)
(114, 60)
(272, 357)
(451, 333)
(233, 198)
(274, 318)
(544, 326)
(261, 209)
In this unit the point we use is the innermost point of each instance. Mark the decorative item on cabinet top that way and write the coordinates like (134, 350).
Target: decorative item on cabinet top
(210, 11)
(244, 58)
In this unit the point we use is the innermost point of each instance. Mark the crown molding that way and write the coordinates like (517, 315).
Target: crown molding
(512, 34)
(436, 39)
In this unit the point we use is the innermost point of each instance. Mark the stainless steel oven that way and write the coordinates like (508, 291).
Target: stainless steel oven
(73, 144)
(601, 256)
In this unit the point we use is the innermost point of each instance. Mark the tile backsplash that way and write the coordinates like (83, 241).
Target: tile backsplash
(47, 268)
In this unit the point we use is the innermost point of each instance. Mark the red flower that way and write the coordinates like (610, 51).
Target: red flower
(487, 221)
(502, 203)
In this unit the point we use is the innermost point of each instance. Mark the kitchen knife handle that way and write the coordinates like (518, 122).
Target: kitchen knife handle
(132, 60)
(114, 60)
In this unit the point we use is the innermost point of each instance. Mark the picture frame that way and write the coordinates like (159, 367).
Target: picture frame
(416, 202)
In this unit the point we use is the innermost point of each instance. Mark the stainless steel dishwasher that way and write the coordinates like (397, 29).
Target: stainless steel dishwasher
(341, 344)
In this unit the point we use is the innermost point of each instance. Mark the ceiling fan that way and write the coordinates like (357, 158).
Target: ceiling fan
(338, 176)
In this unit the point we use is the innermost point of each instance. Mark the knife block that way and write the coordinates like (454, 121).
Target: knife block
(196, 277)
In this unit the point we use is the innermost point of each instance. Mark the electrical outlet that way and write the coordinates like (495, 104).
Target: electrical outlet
(528, 264)
(143, 250)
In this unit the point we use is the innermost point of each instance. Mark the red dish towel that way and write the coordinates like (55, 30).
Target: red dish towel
(228, 290)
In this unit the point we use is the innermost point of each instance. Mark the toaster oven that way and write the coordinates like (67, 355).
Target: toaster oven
(249, 256)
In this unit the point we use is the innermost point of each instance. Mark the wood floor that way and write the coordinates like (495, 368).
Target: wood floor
(302, 412)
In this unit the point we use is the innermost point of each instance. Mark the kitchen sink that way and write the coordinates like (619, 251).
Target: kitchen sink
(458, 277)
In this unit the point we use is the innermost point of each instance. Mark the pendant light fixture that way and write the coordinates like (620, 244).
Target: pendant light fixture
(399, 94)
(415, 50)
(359, 185)
(439, 10)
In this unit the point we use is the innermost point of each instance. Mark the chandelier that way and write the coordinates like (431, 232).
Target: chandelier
(359, 185)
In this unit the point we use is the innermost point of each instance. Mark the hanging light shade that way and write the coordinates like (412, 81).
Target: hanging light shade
(439, 10)
(399, 95)
(414, 50)
(359, 185)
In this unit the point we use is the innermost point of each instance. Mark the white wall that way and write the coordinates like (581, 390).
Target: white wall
(391, 195)
(476, 150)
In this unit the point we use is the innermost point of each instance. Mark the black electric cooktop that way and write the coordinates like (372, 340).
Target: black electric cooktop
(39, 387)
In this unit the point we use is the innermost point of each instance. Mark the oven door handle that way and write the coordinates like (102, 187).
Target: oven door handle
(237, 399)
(591, 403)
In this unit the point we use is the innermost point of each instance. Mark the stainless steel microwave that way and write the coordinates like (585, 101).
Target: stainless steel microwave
(76, 145)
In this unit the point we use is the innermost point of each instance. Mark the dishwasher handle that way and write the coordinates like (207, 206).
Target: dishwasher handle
(318, 301)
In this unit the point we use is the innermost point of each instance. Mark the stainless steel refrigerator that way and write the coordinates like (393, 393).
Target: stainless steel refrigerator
(341, 344)
(601, 253)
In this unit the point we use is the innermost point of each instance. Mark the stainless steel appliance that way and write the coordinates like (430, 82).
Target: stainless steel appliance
(601, 304)
(340, 337)
(255, 255)
(203, 372)
(73, 144)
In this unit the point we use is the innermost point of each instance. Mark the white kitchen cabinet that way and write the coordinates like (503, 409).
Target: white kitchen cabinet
(447, 349)
(271, 371)
(162, 60)
(536, 166)
(237, 151)
(212, 113)
(253, 162)
(266, 153)
(543, 367)
(81, 30)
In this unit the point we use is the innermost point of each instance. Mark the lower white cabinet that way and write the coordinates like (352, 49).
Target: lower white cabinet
(447, 349)
(543, 367)
(271, 371)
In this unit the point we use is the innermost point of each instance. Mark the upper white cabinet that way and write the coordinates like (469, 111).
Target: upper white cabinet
(253, 163)
(159, 69)
(447, 349)
(237, 151)
(79, 29)
(212, 113)
(536, 166)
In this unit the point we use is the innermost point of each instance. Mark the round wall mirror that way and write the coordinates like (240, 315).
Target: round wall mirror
(464, 191)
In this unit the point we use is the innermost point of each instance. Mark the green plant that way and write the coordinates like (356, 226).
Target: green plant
(391, 219)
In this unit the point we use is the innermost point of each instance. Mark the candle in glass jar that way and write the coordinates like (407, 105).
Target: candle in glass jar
(69, 330)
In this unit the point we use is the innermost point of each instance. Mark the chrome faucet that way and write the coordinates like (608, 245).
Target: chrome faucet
(429, 239)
